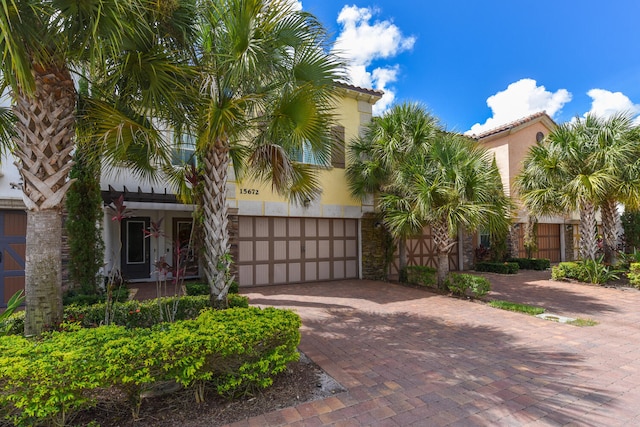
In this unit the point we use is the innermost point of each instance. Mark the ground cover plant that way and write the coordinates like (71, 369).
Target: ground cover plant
(513, 306)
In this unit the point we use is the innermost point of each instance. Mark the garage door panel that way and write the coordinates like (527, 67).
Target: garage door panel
(13, 231)
(262, 251)
(294, 250)
(262, 274)
(338, 270)
(324, 270)
(280, 273)
(280, 250)
(295, 270)
(310, 271)
(290, 250)
(245, 227)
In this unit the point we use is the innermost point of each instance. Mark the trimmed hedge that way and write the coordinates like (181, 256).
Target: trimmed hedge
(531, 263)
(199, 288)
(422, 275)
(498, 267)
(461, 284)
(568, 270)
(131, 314)
(46, 381)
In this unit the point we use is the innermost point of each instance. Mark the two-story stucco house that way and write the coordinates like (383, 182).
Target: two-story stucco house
(510, 144)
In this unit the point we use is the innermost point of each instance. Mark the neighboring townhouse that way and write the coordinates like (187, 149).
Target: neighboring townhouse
(510, 144)
(272, 241)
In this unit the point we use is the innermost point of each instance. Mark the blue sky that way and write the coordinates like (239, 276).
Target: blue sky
(567, 57)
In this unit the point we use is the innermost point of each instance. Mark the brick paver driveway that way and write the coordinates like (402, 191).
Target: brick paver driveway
(410, 357)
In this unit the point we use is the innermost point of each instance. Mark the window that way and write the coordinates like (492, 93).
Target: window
(485, 239)
(337, 151)
(184, 150)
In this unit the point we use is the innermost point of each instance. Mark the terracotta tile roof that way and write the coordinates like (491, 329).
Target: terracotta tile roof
(372, 92)
(511, 125)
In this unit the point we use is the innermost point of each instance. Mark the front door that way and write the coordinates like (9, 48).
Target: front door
(135, 248)
(13, 231)
(185, 257)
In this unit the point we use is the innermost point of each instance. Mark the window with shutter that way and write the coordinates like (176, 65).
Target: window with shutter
(337, 151)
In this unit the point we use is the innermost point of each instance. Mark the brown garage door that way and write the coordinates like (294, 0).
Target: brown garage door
(13, 231)
(548, 242)
(421, 250)
(273, 250)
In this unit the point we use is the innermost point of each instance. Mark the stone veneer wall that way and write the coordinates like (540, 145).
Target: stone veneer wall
(569, 243)
(513, 243)
(233, 239)
(375, 241)
(468, 251)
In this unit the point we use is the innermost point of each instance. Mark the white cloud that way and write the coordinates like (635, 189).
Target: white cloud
(297, 5)
(605, 103)
(361, 42)
(521, 99)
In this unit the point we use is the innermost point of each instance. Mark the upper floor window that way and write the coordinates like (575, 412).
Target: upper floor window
(337, 151)
(184, 151)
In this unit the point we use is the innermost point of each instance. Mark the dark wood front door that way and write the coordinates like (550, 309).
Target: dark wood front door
(13, 231)
(135, 248)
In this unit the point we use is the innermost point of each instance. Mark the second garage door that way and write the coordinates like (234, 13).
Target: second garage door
(275, 250)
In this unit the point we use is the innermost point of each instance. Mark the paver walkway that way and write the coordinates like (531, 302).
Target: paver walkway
(410, 357)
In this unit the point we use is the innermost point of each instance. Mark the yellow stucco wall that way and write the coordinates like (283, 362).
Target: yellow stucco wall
(353, 110)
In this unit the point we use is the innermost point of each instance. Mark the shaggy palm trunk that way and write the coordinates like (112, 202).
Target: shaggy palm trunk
(530, 240)
(45, 131)
(611, 225)
(588, 231)
(216, 233)
(444, 243)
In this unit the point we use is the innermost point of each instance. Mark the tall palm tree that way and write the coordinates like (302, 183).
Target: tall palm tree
(388, 142)
(576, 168)
(267, 89)
(617, 150)
(453, 185)
(126, 49)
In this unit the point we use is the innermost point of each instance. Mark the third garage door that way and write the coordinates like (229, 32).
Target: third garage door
(276, 250)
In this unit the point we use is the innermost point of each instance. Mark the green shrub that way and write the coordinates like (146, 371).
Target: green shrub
(199, 288)
(461, 284)
(588, 271)
(421, 275)
(237, 300)
(235, 351)
(531, 263)
(565, 270)
(497, 267)
(73, 296)
(634, 274)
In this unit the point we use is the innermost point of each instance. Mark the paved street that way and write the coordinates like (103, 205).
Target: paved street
(410, 357)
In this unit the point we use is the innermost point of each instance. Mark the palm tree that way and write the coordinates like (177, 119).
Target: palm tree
(124, 48)
(375, 157)
(617, 150)
(267, 89)
(453, 185)
(584, 165)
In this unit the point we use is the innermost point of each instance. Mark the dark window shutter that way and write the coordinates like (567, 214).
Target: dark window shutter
(337, 149)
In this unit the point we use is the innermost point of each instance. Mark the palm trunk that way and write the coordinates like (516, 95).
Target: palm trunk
(588, 230)
(45, 130)
(444, 243)
(216, 263)
(43, 271)
(610, 229)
